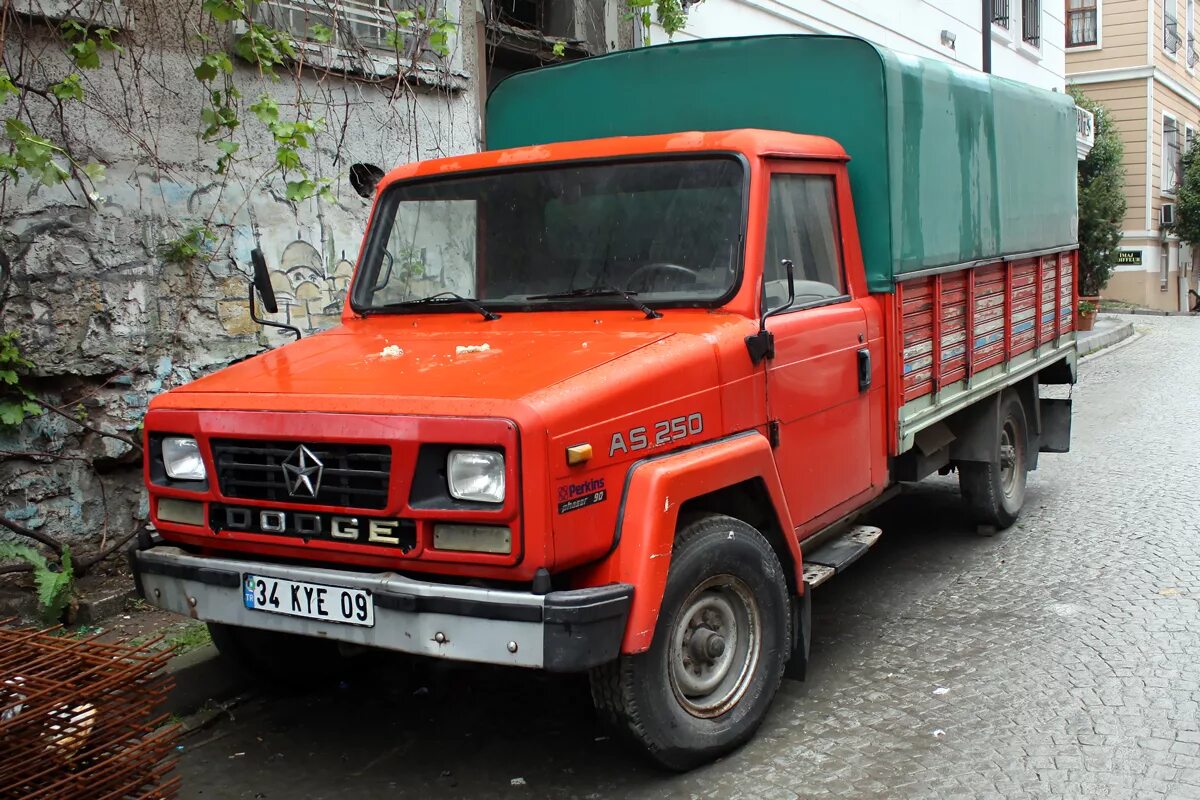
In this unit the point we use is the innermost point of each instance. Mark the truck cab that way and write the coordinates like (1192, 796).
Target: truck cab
(609, 406)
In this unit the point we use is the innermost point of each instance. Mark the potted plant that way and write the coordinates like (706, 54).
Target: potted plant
(1102, 208)
(1085, 314)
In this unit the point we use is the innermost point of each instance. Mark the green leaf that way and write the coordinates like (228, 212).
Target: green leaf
(301, 189)
(95, 171)
(212, 65)
(11, 413)
(266, 109)
(85, 54)
(69, 88)
(287, 159)
(559, 49)
(224, 10)
(6, 86)
(9, 376)
(320, 33)
(227, 147)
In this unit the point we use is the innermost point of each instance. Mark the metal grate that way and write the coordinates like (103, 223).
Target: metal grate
(352, 475)
(1171, 38)
(81, 720)
(1000, 13)
(1031, 21)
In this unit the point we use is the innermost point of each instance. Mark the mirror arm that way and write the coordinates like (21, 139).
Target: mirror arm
(266, 322)
(761, 345)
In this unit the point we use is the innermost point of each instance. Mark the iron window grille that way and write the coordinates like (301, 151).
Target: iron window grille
(1172, 155)
(1192, 57)
(1031, 22)
(1000, 13)
(354, 25)
(1171, 38)
(1083, 27)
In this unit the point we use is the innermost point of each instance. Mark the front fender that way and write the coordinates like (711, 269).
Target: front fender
(655, 488)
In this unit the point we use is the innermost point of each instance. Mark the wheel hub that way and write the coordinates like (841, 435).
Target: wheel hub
(715, 638)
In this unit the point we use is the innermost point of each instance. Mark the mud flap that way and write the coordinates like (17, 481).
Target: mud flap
(797, 665)
(1056, 425)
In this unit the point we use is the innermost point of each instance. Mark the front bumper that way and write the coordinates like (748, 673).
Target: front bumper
(563, 631)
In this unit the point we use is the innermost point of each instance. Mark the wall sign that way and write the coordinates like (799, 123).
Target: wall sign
(1130, 257)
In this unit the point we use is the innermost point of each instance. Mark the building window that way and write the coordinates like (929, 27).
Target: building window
(354, 25)
(1189, 134)
(1031, 22)
(1171, 38)
(1189, 22)
(1083, 23)
(1171, 154)
(1000, 13)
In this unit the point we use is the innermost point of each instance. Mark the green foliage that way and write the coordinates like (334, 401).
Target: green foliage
(32, 155)
(265, 47)
(69, 88)
(85, 44)
(560, 48)
(7, 87)
(224, 10)
(670, 14)
(1086, 307)
(191, 245)
(16, 402)
(1102, 201)
(415, 28)
(1187, 199)
(54, 582)
(319, 33)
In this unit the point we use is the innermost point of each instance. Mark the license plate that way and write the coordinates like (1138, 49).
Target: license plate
(308, 600)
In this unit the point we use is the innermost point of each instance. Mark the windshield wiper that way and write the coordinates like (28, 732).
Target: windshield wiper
(441, 298)
(601, 291)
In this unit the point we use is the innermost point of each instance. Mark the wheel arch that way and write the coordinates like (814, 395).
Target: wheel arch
(724, 476)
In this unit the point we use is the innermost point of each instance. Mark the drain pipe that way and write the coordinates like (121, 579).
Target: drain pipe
(986, 29)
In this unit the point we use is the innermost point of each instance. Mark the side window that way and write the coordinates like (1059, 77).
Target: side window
(802, 226)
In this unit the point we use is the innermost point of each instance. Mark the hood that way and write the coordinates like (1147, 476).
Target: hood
(403, 356)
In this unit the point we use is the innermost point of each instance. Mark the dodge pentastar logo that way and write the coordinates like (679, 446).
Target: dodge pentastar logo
(302, 473)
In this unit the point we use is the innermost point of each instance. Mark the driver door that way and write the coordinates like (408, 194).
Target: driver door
(814, 390)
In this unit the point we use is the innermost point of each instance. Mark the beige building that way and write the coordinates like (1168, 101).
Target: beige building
(1140, 58)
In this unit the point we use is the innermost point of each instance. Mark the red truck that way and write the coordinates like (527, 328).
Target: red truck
(615, 394)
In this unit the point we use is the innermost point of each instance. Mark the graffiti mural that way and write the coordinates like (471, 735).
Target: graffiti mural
(310, 275)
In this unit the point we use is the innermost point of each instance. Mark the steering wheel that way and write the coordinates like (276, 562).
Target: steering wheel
(661, 266)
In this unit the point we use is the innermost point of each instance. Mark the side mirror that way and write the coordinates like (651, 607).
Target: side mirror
(761, 345)
(262, 284)
(262, 281)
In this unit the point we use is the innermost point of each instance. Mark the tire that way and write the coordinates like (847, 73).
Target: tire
(995, 491)
(688, 698)
(277, 659)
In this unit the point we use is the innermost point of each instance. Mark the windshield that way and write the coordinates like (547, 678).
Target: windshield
(668, 230)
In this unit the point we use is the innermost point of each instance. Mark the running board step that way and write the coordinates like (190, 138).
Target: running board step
(831, 558)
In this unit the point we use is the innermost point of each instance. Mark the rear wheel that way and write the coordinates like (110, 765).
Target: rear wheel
(280, 659)
(995, 491)
(718, 652)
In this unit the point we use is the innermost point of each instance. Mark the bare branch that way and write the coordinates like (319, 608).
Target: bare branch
(99, 431)
(29, 533)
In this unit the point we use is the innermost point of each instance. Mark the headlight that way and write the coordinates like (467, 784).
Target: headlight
(476, 475)
(181, 459)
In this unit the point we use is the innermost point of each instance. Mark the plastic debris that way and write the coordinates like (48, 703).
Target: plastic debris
(939, 733)
(517, 781)
(941, 690)
(471, 348)
(391, 351)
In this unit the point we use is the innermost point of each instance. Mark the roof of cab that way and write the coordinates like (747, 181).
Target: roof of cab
(751, 143)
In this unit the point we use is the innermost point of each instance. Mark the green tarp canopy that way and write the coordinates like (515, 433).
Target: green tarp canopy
(947, 166)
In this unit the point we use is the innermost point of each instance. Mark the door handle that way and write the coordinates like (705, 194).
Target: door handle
(864, 369)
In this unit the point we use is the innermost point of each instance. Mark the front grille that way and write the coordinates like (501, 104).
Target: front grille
(352, 475)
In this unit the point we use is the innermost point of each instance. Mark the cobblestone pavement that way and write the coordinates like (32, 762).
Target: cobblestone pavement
(1060, 658)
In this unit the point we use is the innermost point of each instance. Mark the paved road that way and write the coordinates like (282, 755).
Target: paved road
(1059, 659)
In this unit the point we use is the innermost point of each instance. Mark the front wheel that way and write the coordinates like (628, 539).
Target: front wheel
(995, 491)
(718, 652)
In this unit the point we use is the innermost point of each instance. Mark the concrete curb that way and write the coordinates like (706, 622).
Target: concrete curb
(202, 676)
(1098, 341)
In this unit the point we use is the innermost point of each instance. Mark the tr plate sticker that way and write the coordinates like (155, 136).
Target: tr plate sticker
(574, 496)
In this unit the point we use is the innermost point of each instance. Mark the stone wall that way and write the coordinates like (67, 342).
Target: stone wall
(107, 320)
